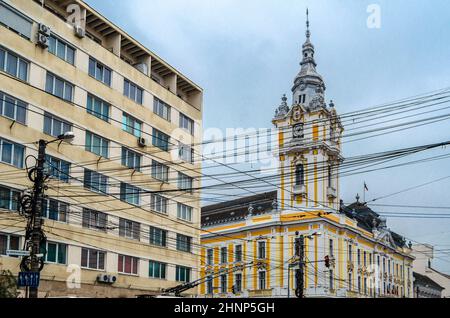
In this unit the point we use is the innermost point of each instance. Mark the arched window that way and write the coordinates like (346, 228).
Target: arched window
(299, 175)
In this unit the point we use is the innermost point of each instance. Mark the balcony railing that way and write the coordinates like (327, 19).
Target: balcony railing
(331, 192)
(299, 189)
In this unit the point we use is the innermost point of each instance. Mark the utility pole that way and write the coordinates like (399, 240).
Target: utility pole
(36, 219)
(299, 273)
(32, 208)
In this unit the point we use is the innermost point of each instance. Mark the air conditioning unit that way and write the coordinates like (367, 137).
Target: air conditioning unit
(42, 40)
(142, 142)
(103, 278)
(112, 279)
(79, 31)
(44, 30)
(107, 279)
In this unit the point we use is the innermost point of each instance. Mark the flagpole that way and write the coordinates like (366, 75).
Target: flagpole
(364, 192)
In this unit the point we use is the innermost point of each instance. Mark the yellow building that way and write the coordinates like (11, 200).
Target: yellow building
(248, 244)
(137, 123)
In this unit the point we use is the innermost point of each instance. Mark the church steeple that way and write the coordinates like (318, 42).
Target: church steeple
(309, 87)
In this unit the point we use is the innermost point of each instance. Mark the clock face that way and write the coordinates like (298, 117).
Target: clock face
(298, 131)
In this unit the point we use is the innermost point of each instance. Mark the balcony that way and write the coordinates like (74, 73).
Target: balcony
(299, 190)
(264, 293)
(331, 193)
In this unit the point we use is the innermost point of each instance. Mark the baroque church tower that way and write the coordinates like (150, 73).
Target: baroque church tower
(309, 138)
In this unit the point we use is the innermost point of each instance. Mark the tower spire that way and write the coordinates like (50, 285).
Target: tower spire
(308, 33)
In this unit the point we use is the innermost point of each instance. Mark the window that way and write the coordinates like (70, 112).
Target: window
(261, 250)
(99, 72)
(158, 237)
(238, 283)
(131, 159)
(299, 175)
(302, 99)
(185, 182)
(55, 126)
(9, 199)
(97, 145)
(132, 91)
(55, 253)
(61, 49)
(223, 255)
(13, 64)
(187, 123)
(59, 87)
(223, 284)
(13, 108)
(94, 220)
(238, 253)
(331, 248)
(210, 256)
(365, 258)
(129, 193)
(131, 125)
(161, 109)
(359, 256)
(350, 253)
(9, 242)
(55, 210)
(262, 280)
(158, 203)
(183, 274)
(160, 140)
(330, 176)
(15, 21)
(209, 285)
(157, 270)
(184, 212)
(359, 284)
(186, 153)
(95, 181)
(97, 107)
(350, 281)
(92, 259)
(365, 285)
(57, 168)
(331, 279)
(11, 153)
(159, 171)
(129, 229)
(184, 243)
(128, 265)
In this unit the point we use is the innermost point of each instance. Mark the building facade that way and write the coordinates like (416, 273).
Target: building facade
(248, 244)
(423, 265)
(119, 200)
(424, 287)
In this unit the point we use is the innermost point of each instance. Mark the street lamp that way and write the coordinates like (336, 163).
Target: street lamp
(66, 136)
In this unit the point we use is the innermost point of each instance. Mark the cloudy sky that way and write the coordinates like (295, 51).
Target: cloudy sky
(245, 54)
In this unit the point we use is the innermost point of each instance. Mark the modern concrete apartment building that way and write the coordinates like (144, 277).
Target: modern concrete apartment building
(137, 125)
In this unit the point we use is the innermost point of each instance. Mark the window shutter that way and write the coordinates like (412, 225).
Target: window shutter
(163, 238)
(122, 227)
(103, 221)
(136, 231)
(87, 178)
(15, 21)
(86, 218)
